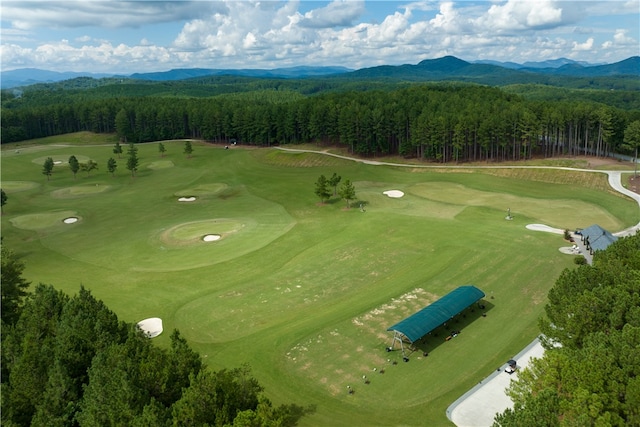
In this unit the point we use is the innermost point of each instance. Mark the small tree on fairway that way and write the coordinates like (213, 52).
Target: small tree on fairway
(348, 192)
(632, 142)
(161, 149)
(89, 166)
(118, 149)
(74, 165)
(334, 181)
(132, 161)
(47, 167)
(321, 188)
(3, 200)
(112, 166)
(188, 149)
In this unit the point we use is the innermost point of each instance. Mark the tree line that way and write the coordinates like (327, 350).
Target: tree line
(590, 372)
(444, 123)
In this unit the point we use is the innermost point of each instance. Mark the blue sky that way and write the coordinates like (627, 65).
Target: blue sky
(143, 36)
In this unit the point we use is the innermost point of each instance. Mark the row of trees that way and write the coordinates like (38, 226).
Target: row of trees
(446, 123)
(590, 373)
(132, 161)
(69, 361)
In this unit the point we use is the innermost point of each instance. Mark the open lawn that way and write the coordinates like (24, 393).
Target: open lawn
(303, 291)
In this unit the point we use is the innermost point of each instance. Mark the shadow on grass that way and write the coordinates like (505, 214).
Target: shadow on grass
(291, 414)
(453, 329)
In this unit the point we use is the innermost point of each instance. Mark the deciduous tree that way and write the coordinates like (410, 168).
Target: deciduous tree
(161, 149)
(348, 192)
(188, 149)
(88, 166)
(74, 165)
(132, 160)
(47, 167)
(112, 166)
(117, 149)
(322, 190)
(334, 181)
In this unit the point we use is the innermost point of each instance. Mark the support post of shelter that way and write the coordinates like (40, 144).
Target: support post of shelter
(397, 336)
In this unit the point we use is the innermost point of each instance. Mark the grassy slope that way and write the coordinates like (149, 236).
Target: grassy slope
(301, 291)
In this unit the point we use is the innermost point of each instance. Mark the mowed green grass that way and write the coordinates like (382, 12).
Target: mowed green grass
(303, 291)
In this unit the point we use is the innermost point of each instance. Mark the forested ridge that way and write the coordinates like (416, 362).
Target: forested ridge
(590, 373)
(446, 122)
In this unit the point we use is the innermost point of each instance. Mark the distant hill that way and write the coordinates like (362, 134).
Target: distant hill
(550, 63)
(29, 76)
(446, 68)
(629, 66)
(291, 72)
(452, 68)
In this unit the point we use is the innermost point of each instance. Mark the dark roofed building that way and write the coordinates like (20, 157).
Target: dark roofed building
(434, 315)
(596, 238)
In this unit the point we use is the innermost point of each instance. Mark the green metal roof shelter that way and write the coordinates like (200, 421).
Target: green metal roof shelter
(436, 314)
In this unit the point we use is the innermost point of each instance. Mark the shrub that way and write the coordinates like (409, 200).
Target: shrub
(580, 260)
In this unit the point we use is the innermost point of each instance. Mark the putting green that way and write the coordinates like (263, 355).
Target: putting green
(193, 233)
(12, 186)
(80, 190)
(159, 243)
(560, 213)
(43, 220)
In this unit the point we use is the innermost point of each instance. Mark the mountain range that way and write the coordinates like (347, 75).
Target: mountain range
(445, 68)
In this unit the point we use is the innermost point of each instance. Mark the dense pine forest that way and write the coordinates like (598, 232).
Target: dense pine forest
(440, 122)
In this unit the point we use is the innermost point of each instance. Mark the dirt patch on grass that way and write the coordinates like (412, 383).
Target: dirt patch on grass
(634, 184)
(341, 356)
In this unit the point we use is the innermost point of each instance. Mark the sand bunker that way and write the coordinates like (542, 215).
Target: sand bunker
(187, 199)
(396, 194)
(57, 162)
(211, 237)
(546, 228)
(152, 327)
(70, 220)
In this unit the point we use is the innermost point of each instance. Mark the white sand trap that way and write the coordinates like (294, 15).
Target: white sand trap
(211, 237)
(187, 199)
(57, 162)
(152, 327)
(70, 220)
(396, 194)
(542, 227)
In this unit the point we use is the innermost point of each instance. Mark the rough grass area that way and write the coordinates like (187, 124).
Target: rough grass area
(304, 291)
(282, 158)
